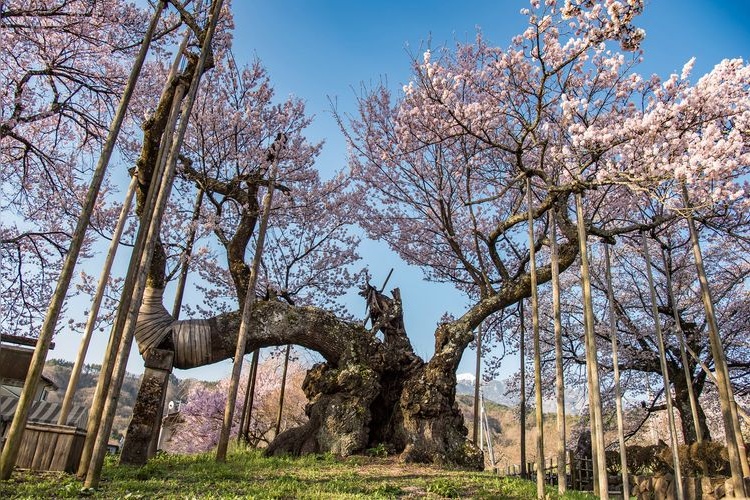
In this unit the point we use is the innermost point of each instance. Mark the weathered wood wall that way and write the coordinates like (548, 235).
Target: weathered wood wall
(50, 447)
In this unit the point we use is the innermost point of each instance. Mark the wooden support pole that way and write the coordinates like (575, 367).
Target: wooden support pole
(539, 413)
(683, 355)
(283, 388)
(131, 277)
(477, 376)
(735, 443)
(221, 450)
(176, 307)
(522, 416)
(96, 304)
(15, 433)
(105, 375)
(247, 410)
(180, 291)
(562, 485)
(592, 362)
(146, 413)
(712, 378)
(488, 434)
(664, 371)
(616, 370)
(154, 224)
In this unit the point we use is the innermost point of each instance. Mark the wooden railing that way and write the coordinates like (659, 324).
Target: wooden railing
(579, 472)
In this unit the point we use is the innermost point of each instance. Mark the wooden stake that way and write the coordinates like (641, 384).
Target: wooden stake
(562, 485)
(592, 362)
(17, 427)
(247, 410)
(105, 375)
(537, 347)
(664, 371)
(735, 442)
(154, 224)
(477, 375)
(283, 387)
(131, 277)
(616, 369)
(96, 304)
(186, 255)
(683, 355)
(522, 416)
(221, 451)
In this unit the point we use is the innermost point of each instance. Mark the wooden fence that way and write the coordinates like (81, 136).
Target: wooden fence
(50, 447)
(579, 472)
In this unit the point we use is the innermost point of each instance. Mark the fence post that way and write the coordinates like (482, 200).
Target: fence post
(573, 483)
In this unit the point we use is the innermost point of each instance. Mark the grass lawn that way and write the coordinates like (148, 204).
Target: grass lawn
(247, 474)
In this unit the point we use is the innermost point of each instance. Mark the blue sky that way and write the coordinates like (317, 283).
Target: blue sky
(328, 48)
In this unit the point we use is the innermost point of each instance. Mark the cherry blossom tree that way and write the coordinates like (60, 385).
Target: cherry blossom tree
(201, 416)
(64, 64)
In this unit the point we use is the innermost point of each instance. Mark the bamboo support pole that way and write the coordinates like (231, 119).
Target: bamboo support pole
(711, 377)
(477, 375)
(562, 485)
(522, 416)
(110, 356)
(176, 307)
(221, 451)
(539, 410)
(283, 388)
(735, 443)
(488, 434)
(683, 355)
(592, 421)
(154, 224)
(592, 362)
(105, 375)
(17, 427)
(247, 410)
(664, 371)
(96, 304)
(180, 291)
(616, 369)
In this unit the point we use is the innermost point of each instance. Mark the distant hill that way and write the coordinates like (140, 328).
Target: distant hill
(59, 370)
(497, 392)
(505, 430)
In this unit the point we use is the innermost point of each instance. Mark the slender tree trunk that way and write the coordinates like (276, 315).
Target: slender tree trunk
(616, 369)
(664, 372)
(683, 355)
(537, 348)
(559, 375)
(522, 416)
(592, 361)
(735, 442)
(154, 225)
(95, 305)
(17, 427)
(234, 380)
(477, 375)
(283, 388)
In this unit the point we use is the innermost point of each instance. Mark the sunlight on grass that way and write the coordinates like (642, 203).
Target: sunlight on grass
(247, 474)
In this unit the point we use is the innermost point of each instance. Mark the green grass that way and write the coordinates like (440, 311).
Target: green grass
(247, 474)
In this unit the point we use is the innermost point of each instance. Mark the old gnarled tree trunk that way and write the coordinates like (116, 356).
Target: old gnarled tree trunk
(369, 391)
